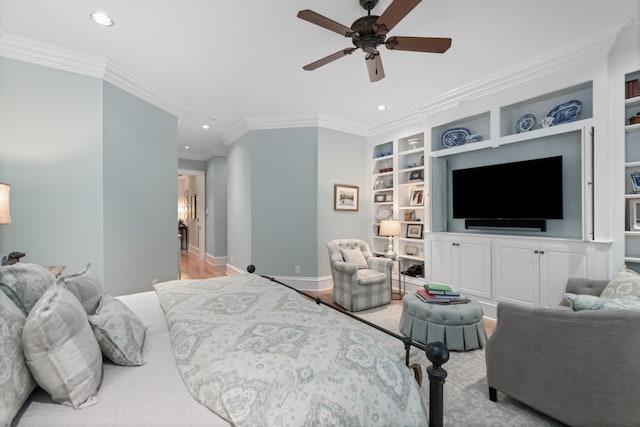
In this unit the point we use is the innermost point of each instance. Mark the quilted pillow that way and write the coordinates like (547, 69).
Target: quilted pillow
(25, 283)
(60, 349)
(354, 256)
(16, 382)
(86, 286)
(592, 302)
(119, 332)
(625, 285)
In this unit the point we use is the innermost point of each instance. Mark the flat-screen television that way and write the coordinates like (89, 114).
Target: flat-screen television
(529, 189)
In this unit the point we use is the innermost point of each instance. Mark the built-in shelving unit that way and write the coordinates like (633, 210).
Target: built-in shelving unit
(398, 180)
(632, 166)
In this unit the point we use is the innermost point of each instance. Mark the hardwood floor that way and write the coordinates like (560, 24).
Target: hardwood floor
(193, 268)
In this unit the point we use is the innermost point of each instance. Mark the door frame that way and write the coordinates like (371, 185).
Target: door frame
(201, 209)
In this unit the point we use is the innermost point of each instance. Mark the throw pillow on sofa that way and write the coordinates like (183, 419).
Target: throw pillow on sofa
(626, 284)
(354, 256)
(592, 302)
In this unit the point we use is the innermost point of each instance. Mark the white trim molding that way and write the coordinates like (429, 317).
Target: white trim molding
(35, 52)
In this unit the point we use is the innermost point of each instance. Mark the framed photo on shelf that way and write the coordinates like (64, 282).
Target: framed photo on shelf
(417, 197)
(635, 181)
(345, 197)
(388, 198)
(410, 250)
(414, 231)
(415, 175)
(634, 215)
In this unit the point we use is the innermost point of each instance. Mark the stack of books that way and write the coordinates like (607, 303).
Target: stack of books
(438, 293)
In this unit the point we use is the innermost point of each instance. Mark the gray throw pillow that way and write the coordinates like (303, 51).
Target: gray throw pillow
(354, 256)
(60, 349)
(25, 283)
(626, 284)
(86, 286)
(119, 332)
(16, 382)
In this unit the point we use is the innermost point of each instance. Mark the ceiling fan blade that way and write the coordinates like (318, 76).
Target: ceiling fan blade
(397, 10)
(324, 22)
(419, 44)
(374, 66)
(320, 62)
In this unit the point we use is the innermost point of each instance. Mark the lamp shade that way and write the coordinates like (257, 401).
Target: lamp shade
(5, 212)
(390, 227)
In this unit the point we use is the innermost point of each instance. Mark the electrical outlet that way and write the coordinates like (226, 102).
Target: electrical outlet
(296, 269)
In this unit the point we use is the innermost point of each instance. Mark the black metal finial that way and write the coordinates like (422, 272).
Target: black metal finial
(251, 268)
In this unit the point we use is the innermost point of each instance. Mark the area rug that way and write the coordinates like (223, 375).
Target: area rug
(466, 396)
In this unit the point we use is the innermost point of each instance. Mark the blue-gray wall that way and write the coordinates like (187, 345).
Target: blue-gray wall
(139, 196)
(51, 154)
(280, 198)
(92, 171)
(216, 202)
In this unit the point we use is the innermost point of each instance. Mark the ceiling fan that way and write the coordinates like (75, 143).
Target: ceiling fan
(369, 32)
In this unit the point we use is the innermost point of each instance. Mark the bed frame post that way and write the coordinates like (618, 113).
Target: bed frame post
(438, 355)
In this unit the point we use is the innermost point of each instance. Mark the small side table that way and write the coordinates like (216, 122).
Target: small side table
(183, 230)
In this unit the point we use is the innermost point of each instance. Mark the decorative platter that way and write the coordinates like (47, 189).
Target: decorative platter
(454, 137)
(384, 212)
(525, 123)
(565, 112)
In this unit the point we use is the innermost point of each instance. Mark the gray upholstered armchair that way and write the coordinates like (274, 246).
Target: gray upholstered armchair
(579, 367)
(360, 279)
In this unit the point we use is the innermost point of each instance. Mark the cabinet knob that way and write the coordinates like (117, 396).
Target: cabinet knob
(541, 252)
(536, 251)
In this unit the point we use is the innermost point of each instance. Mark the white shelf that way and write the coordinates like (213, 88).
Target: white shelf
(634, 260)
(632, 102)
(413, 151)
(412, 258)
(632, 196)
(632, 128)
(632, 164)
(632, 233)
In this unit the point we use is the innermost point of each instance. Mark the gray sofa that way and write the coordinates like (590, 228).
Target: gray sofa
(581, 368)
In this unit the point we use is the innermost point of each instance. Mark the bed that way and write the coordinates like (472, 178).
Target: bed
(247, 352)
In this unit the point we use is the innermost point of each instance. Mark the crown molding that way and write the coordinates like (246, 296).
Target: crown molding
(35, 52)
(289, 122)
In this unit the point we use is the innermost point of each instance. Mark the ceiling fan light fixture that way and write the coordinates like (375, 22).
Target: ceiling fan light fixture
(101, 18)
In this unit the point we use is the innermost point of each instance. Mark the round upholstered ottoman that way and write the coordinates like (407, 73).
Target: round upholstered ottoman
(459, 326)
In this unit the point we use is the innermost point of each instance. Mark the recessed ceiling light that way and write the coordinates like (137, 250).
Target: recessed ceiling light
(186, 147)
(205, 126)
(101, 18)
(382, 107)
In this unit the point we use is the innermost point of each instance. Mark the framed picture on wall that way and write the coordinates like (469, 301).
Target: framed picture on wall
(345, 197)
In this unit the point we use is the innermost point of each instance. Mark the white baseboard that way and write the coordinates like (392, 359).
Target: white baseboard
(215, 261)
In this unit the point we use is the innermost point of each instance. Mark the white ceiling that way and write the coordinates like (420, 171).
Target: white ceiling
(233, 60)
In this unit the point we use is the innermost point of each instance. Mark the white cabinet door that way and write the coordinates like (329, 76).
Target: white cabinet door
(441, 263)
(557, 264)
(516, 272)
(474, 273)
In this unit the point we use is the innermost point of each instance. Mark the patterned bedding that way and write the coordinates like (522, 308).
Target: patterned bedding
(257, 353)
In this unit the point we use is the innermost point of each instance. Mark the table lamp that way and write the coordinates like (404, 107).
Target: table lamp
(390, 227)
(5, 212)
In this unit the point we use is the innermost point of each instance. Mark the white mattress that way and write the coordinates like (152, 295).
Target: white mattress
(148, 395)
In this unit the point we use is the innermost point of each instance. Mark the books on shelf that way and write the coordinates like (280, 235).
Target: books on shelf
(427, 297)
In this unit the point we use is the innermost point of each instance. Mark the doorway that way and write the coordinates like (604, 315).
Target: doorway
(191, 211)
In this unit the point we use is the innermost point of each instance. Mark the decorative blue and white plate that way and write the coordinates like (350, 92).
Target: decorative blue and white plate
(565, 112)
(525, 123)
(454, 137)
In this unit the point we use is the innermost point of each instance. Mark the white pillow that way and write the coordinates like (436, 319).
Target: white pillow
(60, 349)
(625, 285)
(16, 382)
(86, 286)
(591, 302)
(354, 256)
(119, 332)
